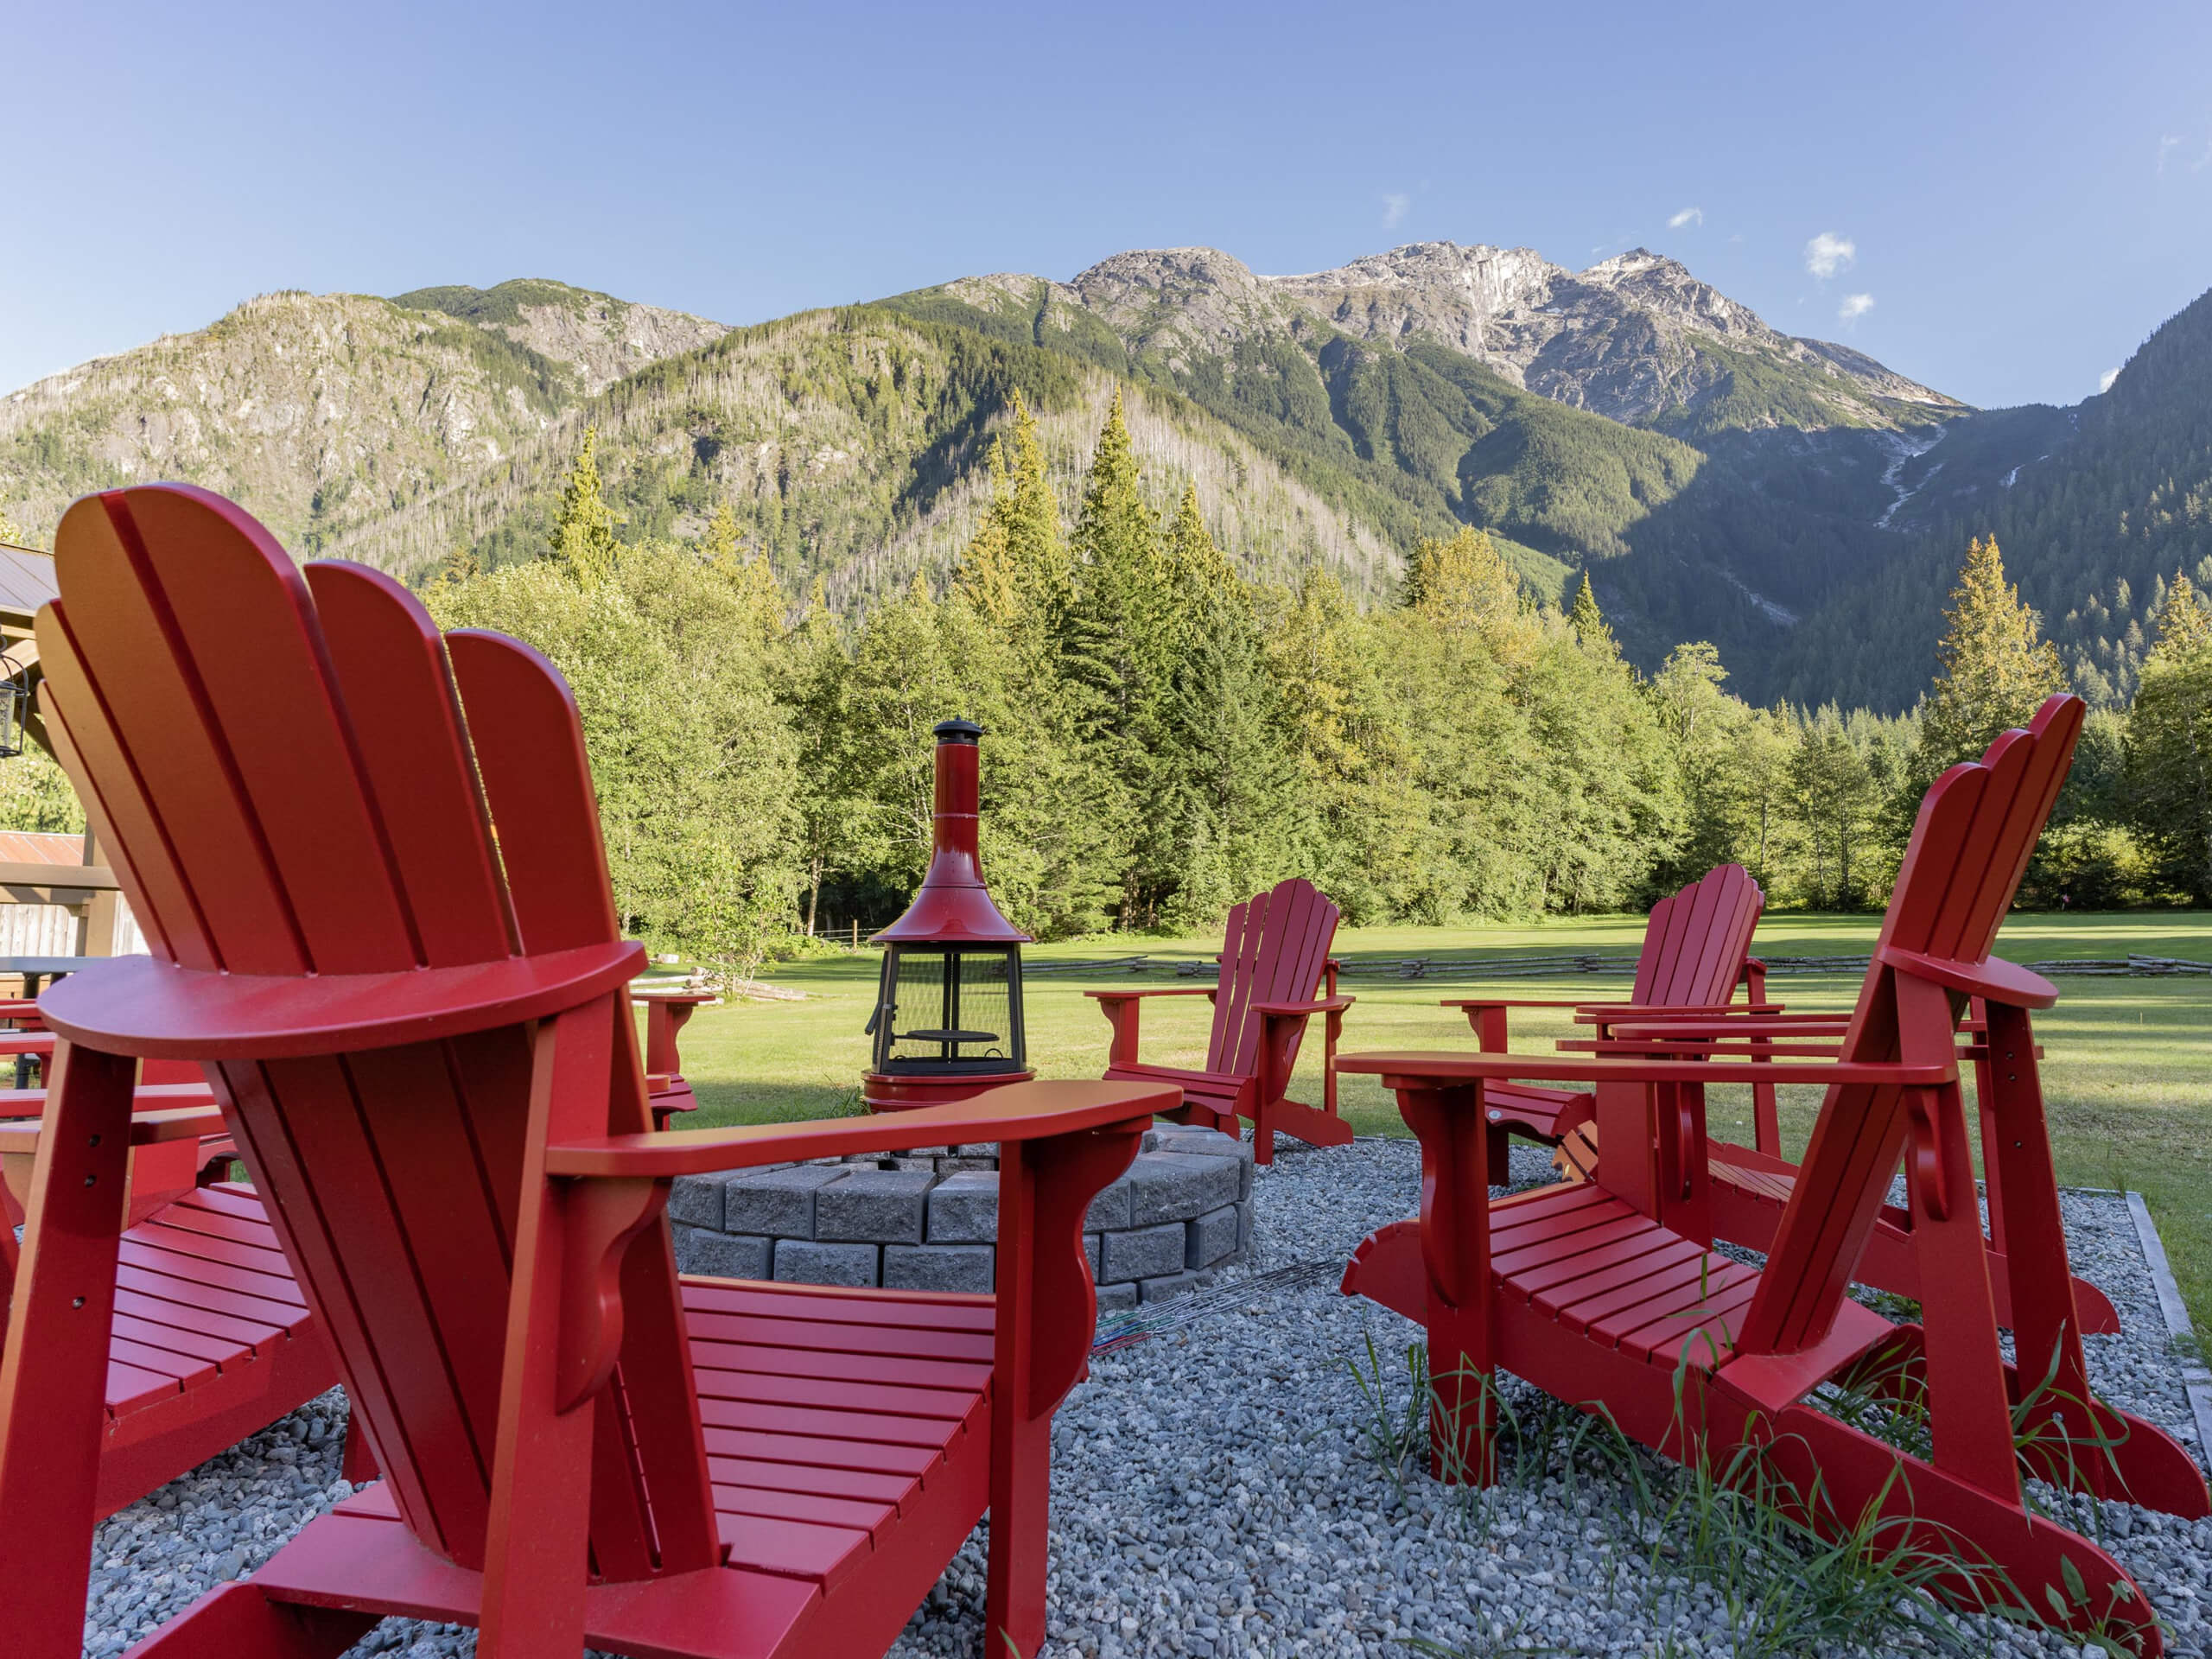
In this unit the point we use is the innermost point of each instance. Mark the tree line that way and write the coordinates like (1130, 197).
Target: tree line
(1168, 735)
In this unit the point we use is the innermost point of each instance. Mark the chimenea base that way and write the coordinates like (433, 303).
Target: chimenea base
(885, 1094)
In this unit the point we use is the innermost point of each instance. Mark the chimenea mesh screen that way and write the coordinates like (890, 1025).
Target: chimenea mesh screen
(949, 1010)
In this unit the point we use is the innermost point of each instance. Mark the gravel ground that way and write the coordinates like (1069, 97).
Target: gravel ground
(1216, 1491)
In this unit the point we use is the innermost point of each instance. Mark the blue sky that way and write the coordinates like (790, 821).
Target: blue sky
(1999, 201)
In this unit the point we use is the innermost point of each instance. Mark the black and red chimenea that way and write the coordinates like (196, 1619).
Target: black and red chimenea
(947, 1023)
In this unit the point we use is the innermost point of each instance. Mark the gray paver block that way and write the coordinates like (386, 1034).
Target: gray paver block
(778, 1202)
(1143, 1253)
(696, 1200)
(1211, 1143)
(938, 1267)
(955, 1165)
(963, 1208)
(1210, 1238)
(1115, 1299)
(978, 1149)
(1246, 1212)
(723, 1255)
(1109, 1210)
(801, 1261)
(1168, 1284)
(883, 1206)
(1091, 1251)
(1178, 1186)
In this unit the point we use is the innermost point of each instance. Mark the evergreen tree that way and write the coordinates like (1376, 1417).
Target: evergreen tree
(583, 527)
(815, 688)
(2169, 745)
(1035, 548)
(721, 542)
(1996, 666)
(1589, 623)
(2184, 618)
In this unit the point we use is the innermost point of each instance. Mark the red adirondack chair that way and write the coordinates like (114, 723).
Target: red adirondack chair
(211, 1340)
(667, 1012)
(383, 927)
(1606, 1293)
(1274, 957)
(1696, 950)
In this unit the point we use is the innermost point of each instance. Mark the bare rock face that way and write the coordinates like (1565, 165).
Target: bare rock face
(1633, 338)
(606, 339)
(1636, 337)
(326, 413)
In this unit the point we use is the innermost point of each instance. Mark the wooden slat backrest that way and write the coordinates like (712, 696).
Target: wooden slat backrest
(1695, 941)
(297, 774)
(1275, 948)
(1970, 846)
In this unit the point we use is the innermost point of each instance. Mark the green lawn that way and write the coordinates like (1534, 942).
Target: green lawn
(2127, 1070)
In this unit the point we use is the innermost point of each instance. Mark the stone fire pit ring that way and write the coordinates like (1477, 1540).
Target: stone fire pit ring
(928, 1220)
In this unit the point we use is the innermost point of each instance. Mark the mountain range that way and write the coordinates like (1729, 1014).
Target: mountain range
(1794, 501)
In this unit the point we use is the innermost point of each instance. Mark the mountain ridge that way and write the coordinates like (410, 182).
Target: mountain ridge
(1794, 500)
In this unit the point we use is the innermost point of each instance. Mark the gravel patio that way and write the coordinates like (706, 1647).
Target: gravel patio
(1218, 1490)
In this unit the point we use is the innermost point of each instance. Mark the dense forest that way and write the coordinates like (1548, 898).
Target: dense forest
(1169, 736)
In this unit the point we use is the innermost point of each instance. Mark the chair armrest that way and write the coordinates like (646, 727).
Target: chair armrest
(1757, 1026)
(1020, 1111)
(147, 1128)
(1591, 1013)
(1327, 1005)
(1706, 1047)
(1156, 990)
(681, 999)
(1445, 1066)
(137, 1005)
(1515, 1002)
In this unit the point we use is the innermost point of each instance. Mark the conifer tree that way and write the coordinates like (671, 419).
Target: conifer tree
(1589, 623)
(583, 528)
(1036, 551)
(720, 545)
(2168, 744)
(2184, 619)
(1996, 666)
(1112, 631)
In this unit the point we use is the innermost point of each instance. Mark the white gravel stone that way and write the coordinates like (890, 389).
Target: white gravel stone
(1214, 1493)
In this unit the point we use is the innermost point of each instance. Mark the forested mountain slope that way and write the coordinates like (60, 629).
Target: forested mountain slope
(1795, 503)
(2095, 506)
(328, 415)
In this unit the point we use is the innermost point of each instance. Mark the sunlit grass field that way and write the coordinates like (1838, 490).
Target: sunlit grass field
(2127, 1067)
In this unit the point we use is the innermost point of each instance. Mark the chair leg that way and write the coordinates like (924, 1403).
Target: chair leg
(53, 1378)
(357, 1462)
(1455, 1251)
(1022, 1443)
(536, 1549)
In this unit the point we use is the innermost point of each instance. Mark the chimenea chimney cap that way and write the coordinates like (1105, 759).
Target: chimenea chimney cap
(958, 731)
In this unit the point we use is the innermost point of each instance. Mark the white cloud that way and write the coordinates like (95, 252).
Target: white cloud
(2167, 144)
(2105, 380)
(1395, 207)
(1854, 307)
(1828, 253)
(1688, 216)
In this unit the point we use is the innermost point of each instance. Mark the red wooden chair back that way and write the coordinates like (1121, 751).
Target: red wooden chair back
(1695, 941)
(282, 769)
(1275, 950)
(1969, 847)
